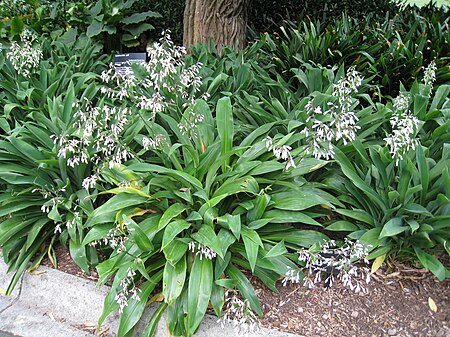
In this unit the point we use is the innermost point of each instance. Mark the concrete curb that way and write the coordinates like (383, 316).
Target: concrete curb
(52, 303)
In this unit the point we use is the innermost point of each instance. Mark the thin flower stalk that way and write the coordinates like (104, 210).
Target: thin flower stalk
(239, 315)
(331, 264)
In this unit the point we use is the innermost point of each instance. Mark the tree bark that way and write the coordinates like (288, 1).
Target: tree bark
(223, 21)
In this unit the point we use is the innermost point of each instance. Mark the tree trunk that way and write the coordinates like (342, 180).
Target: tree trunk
(223, 21)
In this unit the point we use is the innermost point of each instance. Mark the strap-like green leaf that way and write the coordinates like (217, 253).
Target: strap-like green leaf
(133, 311)
(172, 230)
(172, 212)
(225, 126)
(173, 280)
(199, 293)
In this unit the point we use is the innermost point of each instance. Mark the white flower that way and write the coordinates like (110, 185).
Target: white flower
(335, 263)
(90, 182)
(280, 152)
(25, 58)
(404, 127)
(430, 74)
(338, 122)
(201, 250)
(149, 143)
(239, 314)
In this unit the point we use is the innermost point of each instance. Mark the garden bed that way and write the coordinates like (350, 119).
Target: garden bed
(395, 304)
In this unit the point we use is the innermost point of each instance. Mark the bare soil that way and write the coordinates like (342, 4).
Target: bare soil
(397, 303)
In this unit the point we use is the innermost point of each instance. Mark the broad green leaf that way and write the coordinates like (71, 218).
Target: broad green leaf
(251, 248)
(234, 222)
(139, 17)
(207, 237)
(297, 200)
(357, 214)
(342, 225)
(138, 235)
(225, 126)
(183, 177)
(174, 251)
(307, 165)
(234, 186)
(417, 209)
(152, 324)
(280, 216)
(260, 204)
(172, 212)
(78, 254)
(245, 288)
(304, 238)
(225, 239)
(277, 250)
(107, 211)
(370, 238)
(424, 173)
(392, 228)
(218, 298)
(199, 293)
(173, 280)
(431, 263)
(172, 230)
(350, 172)
(95, 28)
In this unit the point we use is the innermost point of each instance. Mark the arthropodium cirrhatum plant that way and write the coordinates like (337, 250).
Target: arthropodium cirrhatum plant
(398, 200)
(196, 206)
(42, 200)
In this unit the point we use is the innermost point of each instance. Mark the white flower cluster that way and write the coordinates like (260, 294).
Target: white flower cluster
(201, 250)
(283, 152)
(123, 79)
(96, 140)
(430, 74)
(335, 123)
(162, 85)
(127, 290)
(333, 263)
(116, 237)
(239, 314)
(25, 58)
(404, 127)
(153, 143)
(188, 124)
(56, 199)
(292, 276)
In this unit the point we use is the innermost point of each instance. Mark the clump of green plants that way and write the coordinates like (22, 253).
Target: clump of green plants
(389, 51)
(40, 193)
(396, 189)
(196, 205)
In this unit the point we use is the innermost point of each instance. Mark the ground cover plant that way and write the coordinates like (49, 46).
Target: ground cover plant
(389, 51)
(179, 177)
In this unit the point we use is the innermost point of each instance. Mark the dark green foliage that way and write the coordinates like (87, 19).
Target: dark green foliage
(34, 177)
(171, 17)
(390, 51)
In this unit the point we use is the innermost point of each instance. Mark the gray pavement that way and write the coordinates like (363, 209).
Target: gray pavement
(50, 303)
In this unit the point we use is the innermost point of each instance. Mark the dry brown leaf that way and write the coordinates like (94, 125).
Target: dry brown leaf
(432, 304)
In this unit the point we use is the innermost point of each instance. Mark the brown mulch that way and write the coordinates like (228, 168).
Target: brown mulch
(396, 304)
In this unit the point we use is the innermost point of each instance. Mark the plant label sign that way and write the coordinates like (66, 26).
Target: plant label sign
(122, 62)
